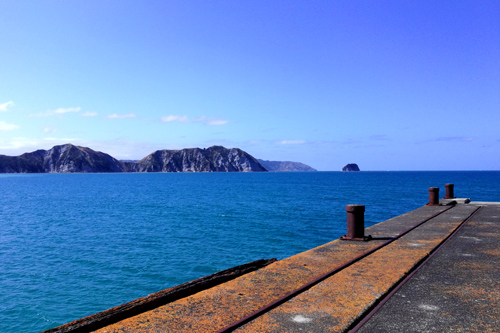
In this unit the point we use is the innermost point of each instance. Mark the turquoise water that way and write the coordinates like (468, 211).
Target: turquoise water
(75, 244)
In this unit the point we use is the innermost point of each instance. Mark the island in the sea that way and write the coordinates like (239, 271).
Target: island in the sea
(69, 158)
(351, 167)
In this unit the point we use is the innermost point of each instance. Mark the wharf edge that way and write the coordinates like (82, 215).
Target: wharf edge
(455, 244)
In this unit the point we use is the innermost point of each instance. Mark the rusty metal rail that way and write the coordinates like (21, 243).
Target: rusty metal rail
(237, 324)
(370, 312)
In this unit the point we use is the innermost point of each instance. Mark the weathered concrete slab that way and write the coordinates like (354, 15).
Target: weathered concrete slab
(458, 290)
(213, 309)
(334, 304)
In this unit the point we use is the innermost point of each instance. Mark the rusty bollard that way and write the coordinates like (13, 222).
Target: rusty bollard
(355, 223)
(449, 191)
(433, 196)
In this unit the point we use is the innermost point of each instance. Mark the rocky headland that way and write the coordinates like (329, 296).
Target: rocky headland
(69, 158)
(285, 166)
(61, 159)
(212, 159)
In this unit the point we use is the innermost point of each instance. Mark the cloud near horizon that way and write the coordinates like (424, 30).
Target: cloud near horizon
(89, 114)
(49, 130)
(185, 119)
(120, 148)
(291, 142)
(171, 118)
(120, 116)
(4, 107)
(447, 139)
(22, 145)
(454, 138)
(379, 137)
(58, 111)
(5, 127)
(216, 122)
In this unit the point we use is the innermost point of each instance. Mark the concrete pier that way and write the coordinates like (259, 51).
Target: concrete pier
(457, 289)
(436, 268)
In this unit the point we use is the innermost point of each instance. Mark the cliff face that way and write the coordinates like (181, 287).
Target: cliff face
(285, 166)
(351, 167)
(213, 159)
(63, 159)
(69, 158)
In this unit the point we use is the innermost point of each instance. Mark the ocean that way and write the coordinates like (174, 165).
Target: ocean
(75, 244)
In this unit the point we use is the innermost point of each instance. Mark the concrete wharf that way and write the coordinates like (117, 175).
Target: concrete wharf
(436, 268)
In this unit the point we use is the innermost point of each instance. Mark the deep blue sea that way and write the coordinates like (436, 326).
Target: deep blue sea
(75, 244)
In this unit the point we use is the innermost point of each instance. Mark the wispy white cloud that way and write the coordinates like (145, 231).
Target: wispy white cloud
(4, 107)
(121, 116)
(49, 130)
(454, 139)
(58, 111)
(120, 148)
(291, 142)
(216, 122)
(21, 145)
(210, 121)
(379, 137)
(89, 114)
(200, 119)
(17, 144)
(446, 139)
(171, 118)
(66, 110)
(5, 127)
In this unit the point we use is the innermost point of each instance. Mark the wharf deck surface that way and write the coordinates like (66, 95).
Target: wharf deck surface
(458, 289)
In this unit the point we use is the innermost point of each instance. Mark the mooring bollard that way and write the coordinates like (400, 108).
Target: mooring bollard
(355, 223)
(449, 191)
(433, 196)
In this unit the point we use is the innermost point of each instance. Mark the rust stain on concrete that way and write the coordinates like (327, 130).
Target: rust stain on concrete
(483, 301)
(219, 306)
(336, 302)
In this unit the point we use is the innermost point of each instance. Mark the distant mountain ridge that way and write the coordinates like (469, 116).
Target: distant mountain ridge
(285, 166)
(69, 158)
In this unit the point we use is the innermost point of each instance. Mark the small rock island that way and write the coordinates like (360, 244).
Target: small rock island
(351, 167)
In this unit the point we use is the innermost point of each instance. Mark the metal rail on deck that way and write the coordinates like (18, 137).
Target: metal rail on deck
(290, 295)
(364, 318)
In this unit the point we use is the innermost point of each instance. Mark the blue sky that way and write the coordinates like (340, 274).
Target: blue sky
(389, 85)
